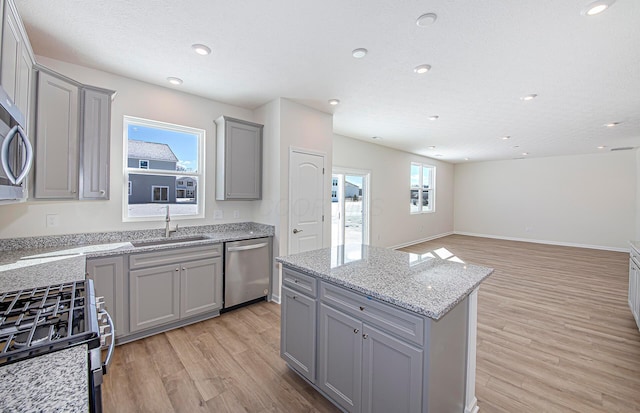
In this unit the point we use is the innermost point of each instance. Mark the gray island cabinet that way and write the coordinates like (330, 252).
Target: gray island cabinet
(376, 330)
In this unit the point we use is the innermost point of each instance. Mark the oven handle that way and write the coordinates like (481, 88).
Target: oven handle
(112, 345)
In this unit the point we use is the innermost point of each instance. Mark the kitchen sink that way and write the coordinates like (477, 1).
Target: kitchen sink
(166, 241)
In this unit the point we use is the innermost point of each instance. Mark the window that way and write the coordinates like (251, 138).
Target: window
(160, 193)
(422, 192)
(161, 159)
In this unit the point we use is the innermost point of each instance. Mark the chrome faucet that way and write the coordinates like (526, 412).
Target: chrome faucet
(167, 228)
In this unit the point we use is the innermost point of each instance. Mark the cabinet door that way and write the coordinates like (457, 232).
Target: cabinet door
(340, 357)
(391, 374)
(298, 332)
(634, 290)
(11, 51)
(94, 164)
(154, 296)
(201, 286)
(108, 279)
(56, 138)
(239, 160)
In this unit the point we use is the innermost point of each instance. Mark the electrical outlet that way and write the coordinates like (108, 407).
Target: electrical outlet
(218, 214)
(236, 214)
(53, 220)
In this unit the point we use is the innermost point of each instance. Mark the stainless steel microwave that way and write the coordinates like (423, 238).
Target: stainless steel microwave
(16, 153)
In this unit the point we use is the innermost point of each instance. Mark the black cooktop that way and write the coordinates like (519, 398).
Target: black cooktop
(41, 320)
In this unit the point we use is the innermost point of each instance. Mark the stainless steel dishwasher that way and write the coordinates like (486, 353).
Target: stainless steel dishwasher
(247, 271)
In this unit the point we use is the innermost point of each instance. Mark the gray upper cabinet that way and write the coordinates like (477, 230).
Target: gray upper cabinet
(72, 139)
(17, 60)
(94, 160)
(57, 138)
(239, 160)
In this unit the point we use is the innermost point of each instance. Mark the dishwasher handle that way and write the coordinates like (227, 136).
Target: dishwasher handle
(247, 247)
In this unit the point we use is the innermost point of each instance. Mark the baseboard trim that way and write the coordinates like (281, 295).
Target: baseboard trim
(537, 241)
(406, 244)
(275, 298)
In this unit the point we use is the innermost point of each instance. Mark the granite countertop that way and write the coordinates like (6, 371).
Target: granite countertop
(59, 381)
(424, 284)
(55, 381)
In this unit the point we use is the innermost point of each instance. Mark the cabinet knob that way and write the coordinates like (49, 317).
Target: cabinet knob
(184, 269)
(295, 281)
(361, 308)
(228, 193)
(365, 336)
(356, 331)
(73, 191)
(177, 269)
(294, 297)
(102, 192)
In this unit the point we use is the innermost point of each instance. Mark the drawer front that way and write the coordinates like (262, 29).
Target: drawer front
(401, 323)
(174, 256)
(300, 282)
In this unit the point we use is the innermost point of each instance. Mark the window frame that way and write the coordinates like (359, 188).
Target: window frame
(431, 191)
(198, 175)
(140, 161)
(161, 187)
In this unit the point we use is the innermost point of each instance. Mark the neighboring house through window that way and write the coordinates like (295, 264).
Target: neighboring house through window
(164, 164)
(422, 192)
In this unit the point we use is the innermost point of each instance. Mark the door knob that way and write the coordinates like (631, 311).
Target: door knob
(295, 230)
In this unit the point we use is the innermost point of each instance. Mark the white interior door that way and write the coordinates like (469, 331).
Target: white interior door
(306, 201)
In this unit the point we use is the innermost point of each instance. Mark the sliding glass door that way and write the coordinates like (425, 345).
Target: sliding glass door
(349, 207)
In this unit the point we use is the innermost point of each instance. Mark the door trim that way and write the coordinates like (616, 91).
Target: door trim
(295, 149)
(366, 198)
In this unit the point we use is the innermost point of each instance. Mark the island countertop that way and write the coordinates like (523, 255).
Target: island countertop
(424, 284)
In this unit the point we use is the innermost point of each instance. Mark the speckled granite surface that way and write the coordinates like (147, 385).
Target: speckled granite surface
(54, 382)
(423, 284)
(56, 241)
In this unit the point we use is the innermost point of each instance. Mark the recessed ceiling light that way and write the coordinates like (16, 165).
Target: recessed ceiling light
(426, 19)
(359, 53)
(601, 147)
(431, 147)
(516, 147)
(596, 7)
(529, 97)
(334, 102)
(466, 159)
(434, 117)
(422, 69)
(504, 138)
(612, 124)
(174, 80)
(525, 153)
(201, 49)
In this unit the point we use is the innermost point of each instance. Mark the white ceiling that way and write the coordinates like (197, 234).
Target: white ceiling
(485, 55)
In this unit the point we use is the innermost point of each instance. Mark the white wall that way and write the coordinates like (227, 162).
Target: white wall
(582, 200)
(138, 99)
(391, 222)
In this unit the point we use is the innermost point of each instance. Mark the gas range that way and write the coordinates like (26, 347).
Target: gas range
(37, 321)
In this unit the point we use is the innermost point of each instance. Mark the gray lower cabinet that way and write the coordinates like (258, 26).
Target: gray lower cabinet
(340, 357)
(298, 330)
(108, 280)
(170, 285)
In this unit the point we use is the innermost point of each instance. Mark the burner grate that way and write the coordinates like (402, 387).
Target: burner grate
(44, 319)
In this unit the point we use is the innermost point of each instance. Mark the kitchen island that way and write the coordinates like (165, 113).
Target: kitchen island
(377, 330)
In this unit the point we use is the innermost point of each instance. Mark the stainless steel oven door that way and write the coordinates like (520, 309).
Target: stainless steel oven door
(98, 368)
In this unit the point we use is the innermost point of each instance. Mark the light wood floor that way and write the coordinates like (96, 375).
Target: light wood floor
(555, 334)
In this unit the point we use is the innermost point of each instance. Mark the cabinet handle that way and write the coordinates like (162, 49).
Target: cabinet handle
(294, 297)
(102, 191)
(177, 269)
(184, 269)
(356, 331)
(295, 281)
(361, 308)
(365, 336)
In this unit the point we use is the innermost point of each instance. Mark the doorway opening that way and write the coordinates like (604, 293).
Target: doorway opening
(349, 207)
